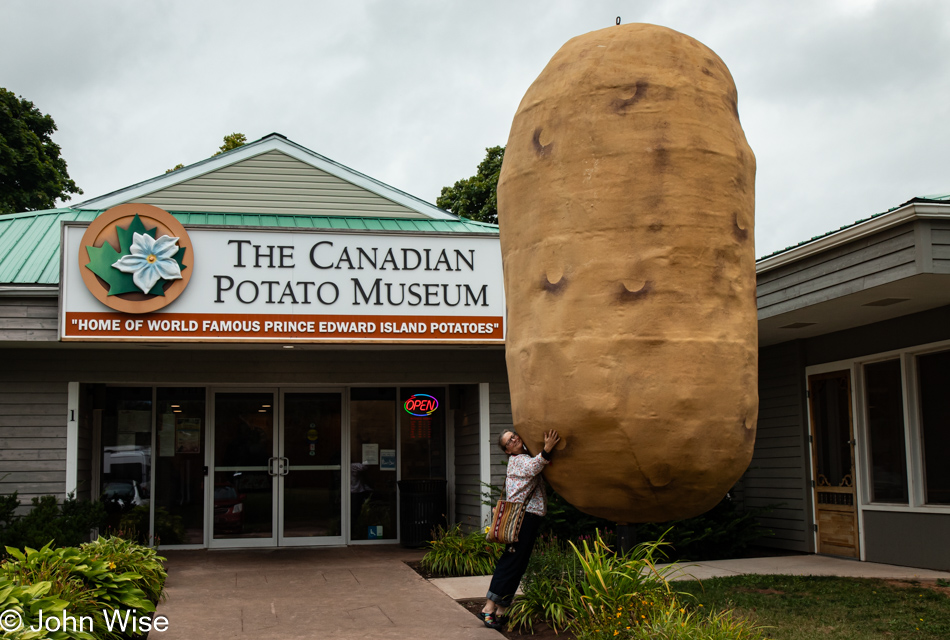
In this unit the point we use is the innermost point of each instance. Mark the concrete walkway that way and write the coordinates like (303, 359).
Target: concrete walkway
(342, 593)
(369, 592)
(798, 565)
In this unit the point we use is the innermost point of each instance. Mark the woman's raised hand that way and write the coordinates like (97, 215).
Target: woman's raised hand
(551, 438)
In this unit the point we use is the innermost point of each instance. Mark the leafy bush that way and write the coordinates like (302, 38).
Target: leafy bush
(615, 583)
(722, 532)
(26, 601)
(109, 575)
(553, 572)
(168, 528)
(125, 556)
(66, 524)
(600, 594)
(454, 553)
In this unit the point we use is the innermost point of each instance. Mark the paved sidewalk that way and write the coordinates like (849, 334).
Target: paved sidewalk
(331, 594)
(798, 565)
(369, 592)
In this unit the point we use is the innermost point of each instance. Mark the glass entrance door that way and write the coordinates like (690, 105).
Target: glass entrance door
(276, 468)
(309, 466)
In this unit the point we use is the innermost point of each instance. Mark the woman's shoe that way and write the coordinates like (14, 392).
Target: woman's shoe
(490, 620)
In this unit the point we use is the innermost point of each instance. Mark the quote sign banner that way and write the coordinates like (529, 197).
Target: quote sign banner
(136, 274)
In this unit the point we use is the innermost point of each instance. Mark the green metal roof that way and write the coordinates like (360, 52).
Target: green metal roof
(29, 242)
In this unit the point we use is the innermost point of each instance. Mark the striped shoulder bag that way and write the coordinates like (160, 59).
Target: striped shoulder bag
(506, 519)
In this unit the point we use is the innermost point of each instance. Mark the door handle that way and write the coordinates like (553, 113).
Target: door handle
(284, 466)
(270, 466)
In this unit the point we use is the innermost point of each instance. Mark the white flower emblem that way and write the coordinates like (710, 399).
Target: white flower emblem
(150, 260)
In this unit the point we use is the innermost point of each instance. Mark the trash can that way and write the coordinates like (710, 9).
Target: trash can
(422, 508)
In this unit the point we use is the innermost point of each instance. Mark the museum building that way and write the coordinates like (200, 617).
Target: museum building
(268, 348)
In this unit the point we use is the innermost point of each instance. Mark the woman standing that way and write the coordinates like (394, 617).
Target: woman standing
(522, 483)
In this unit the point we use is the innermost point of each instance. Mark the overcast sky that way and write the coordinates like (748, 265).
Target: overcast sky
(846, 103)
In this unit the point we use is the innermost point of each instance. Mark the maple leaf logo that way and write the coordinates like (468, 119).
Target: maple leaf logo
(102, 260)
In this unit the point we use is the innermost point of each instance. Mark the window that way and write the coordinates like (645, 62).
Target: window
(373, 463)
(126, 440)
(179, 466)
(933, 378)
(885, 415)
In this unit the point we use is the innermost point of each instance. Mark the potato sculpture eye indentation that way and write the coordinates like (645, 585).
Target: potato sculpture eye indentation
(628, 185)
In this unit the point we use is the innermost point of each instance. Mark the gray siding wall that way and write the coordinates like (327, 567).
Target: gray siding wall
(274, 182)
(28, 319)
(467, 468)
(33, 392)
(940, 239)
(32, 431)
(907, 539)
(500, 403)
(869, 262)
(777, 476)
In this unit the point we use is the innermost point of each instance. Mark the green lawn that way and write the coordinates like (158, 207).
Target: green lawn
(804, 608)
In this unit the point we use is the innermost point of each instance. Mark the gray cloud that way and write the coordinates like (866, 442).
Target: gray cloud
(844, 103)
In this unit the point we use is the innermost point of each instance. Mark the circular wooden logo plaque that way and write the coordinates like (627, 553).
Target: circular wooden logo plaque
(109, 229)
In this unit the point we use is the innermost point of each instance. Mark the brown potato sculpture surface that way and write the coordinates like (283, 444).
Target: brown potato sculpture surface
(626, 203)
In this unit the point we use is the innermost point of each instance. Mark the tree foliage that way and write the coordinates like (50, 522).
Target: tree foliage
(32, 173)
(476, 198)
(232, 141)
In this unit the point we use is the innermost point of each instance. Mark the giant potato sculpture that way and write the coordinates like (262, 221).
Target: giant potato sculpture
(626, 203)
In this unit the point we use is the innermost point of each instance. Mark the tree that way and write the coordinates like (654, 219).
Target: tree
(476, 198)
(232, 141)
(32, 173)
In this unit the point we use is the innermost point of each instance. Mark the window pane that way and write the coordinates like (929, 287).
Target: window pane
(423, 432)
(372, 463)
(179, 466)
(885, 400)
(126, 439)
(934, 377)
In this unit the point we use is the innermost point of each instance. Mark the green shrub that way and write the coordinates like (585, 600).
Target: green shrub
(454, 553)
(722, 532)
(26, 601)
(127, 557)
(168, 528)
(109, 575)
(627, 597)
(617, 586)
(66, 524)
(552, 574)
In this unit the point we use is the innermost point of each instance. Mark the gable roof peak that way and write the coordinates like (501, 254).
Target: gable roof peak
(269, 143)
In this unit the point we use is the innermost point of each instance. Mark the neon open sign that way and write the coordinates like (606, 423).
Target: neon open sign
(421, 404)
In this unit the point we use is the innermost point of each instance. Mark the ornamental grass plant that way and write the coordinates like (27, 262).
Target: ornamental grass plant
(455, 553)
(599, 593)
(548, 584)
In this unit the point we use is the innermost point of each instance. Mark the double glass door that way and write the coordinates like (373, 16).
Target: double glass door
(276, 468)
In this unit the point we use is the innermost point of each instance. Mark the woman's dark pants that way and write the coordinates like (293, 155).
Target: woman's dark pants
(514, 562)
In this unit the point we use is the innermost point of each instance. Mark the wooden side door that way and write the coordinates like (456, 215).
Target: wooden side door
(832, 451)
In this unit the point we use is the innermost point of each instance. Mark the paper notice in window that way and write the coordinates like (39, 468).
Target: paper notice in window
(371, 454)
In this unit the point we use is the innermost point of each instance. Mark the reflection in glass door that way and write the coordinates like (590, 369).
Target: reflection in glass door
(309, 467)
(277, 469)
(244, 469)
